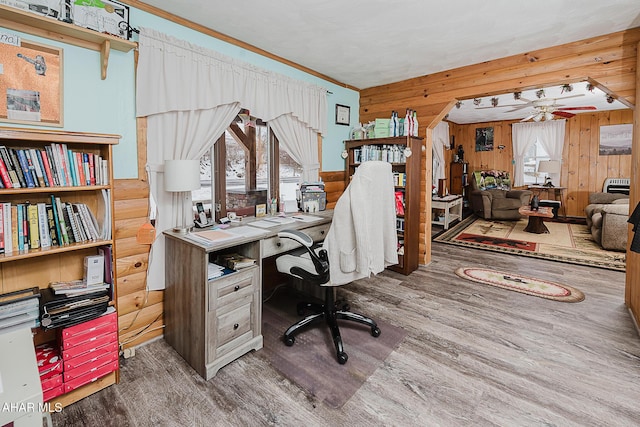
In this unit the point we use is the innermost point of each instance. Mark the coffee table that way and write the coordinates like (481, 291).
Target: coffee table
(452, 207)
(536, 218)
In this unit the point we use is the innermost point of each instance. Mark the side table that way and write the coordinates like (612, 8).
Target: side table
(452, 207)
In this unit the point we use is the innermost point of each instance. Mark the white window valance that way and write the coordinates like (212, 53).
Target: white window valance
(181, 76)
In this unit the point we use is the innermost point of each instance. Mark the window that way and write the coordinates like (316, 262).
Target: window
(532, 158)
(245, 167)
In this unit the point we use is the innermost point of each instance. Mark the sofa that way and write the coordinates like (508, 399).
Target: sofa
(607, 215)
(491, 195)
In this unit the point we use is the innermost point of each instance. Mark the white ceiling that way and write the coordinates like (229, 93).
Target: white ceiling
(365, 43)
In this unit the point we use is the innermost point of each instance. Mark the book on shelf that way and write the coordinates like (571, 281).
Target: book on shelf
(43, 226)
(31, 162)
(53, 231)
(7, 226)
(235, 261)
(77, 287)
(1, 230)
(8, 162)
(40, 170)
(34, 234)
(4, 175)
(50, 165)
(14, 227)
(73, 226)
(59, 217)
(23, 170)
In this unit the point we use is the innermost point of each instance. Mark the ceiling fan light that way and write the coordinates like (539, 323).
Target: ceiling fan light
(538, 117)
(548, 116)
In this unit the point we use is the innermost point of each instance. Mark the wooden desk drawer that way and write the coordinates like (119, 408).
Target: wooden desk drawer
(234, 287)
(234, 329)
(275, 245)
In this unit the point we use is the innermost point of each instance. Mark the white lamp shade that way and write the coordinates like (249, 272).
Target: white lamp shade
(181, 175)
(549, 166)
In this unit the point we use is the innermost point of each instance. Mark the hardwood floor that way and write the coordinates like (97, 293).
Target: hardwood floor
(474, 355)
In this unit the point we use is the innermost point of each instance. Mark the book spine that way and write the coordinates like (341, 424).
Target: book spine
(104, 171)
(34, 235)
(81, 178)
(20, 227)
(92, 220)
(73, 169)
(6, 158)
(43, 226)
(92, 169)
(65, 164)
(14, 227)
(56, 218)
(46, 169)
(85, 166)
(24, 169)
(60, 220)
(60, 164)
(53, 231)
(6, 219)
(4, 175)
(42, 176)
(87, 221)
(71, 220)
(1, 229)
(81, 229)
(67, 224)
(50, 160)
(32, 167)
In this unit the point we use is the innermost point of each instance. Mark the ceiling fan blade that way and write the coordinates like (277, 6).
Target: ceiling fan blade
(517, 108)
(570, 96)
(590, 107)
(529, 117)
(563, 114)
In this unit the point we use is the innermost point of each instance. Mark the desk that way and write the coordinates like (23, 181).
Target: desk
(212, 322)
(452, 206)
(558, 194)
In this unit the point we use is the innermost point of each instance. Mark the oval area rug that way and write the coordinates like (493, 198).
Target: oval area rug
(526, 285)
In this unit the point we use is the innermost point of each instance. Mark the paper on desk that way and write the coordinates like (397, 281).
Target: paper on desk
(246, 231)
(263, 224)
(280, 219)
(306, 218)
(210, 237)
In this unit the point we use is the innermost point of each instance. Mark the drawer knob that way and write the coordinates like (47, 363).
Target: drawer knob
(235, 326)
(236, 288)
(278, 244)
(322, 232)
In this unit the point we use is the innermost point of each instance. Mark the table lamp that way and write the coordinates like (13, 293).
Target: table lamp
(182, 176)
(549, 167)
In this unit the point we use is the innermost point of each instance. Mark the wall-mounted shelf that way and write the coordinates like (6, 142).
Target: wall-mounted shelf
(30, 23)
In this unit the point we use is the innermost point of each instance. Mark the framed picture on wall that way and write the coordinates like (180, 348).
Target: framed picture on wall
(343, 113)
(31, 83)
(484, 139)
(615, 139)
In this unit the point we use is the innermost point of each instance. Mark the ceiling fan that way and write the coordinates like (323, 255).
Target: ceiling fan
(547, 108)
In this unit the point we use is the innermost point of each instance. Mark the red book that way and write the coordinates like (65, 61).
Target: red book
(81, 177)
(4, 175)
(92, 170)
(1, 230)
(47, 168)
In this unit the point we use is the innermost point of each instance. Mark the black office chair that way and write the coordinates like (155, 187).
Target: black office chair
(314, 268)
(362, 241)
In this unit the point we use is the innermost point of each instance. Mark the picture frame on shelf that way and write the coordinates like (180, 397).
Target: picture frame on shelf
(31, 80)
(261, 210)
(343, 115)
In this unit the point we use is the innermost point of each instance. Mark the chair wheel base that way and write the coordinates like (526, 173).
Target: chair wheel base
(375, 332)
(289, 341)
(342, 358)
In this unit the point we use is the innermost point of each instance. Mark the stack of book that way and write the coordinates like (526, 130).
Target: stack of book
(51, 166)
(235, 261)
(26, 226)
(68, 307)
(76, 287)
(19, 309)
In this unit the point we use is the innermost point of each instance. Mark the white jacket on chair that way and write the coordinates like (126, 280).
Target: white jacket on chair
(362, 239)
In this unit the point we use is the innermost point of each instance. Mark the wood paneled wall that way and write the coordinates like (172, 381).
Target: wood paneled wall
(583, 169)
(609, 60)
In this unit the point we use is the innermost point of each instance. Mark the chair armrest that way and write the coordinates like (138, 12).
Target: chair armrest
(297, 235)
(320, 260)
(616, 209)
(481, 203)
(523, 195)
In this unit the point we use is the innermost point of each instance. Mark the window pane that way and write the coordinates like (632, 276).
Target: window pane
(532, 158)
(204, 194)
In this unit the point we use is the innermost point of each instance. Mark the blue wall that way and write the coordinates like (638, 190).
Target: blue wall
(108, 106)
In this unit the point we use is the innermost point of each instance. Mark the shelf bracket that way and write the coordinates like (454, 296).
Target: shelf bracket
(105, 49)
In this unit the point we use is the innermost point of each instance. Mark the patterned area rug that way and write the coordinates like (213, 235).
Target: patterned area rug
(311, 362)
(566, 242)
(526, 285)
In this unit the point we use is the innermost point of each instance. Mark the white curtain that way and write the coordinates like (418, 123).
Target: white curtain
(180, 135)
(550, 134)
(190, 95)
(300, 141)
(523, 135)
(440, 136)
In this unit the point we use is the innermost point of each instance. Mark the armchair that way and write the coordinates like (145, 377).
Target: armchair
(362, 241)
(491, 196)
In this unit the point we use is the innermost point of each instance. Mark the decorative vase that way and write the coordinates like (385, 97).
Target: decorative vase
(535, 202)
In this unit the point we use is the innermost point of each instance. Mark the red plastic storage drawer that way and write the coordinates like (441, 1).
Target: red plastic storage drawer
(93, 354)
(89, 345)
(86, 331)
(90, 377)
(89, 366)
